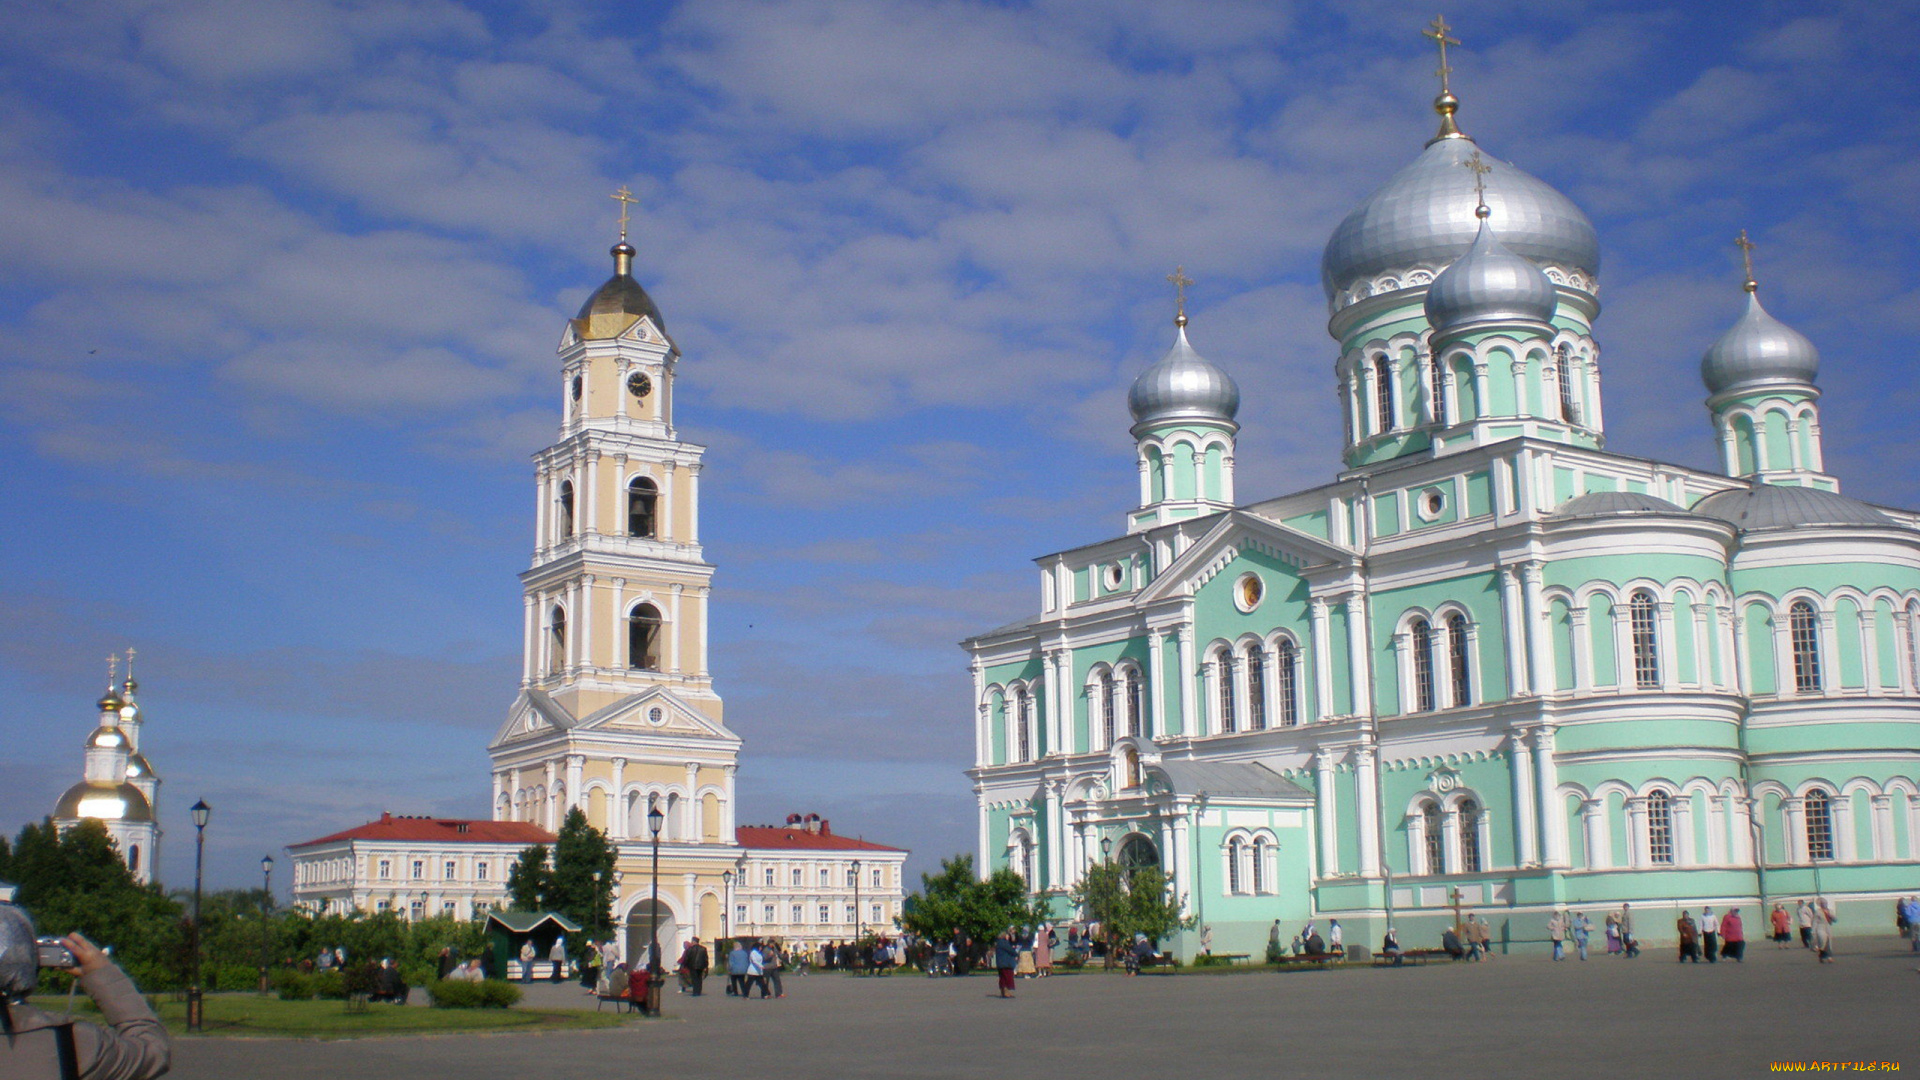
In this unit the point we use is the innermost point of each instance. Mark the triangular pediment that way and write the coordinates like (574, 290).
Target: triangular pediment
(646, 331)
(534, 712)
(655, 711)
(1236, 533)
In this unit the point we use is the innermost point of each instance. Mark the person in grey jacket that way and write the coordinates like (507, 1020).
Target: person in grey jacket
(35, 1043)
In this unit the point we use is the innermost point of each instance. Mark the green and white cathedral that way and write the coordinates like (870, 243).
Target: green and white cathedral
(1491, 659)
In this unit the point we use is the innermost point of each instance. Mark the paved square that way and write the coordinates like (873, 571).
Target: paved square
(1513, 1017)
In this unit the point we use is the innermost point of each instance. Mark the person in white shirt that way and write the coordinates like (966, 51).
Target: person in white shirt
(756, 974)
(1710, 935)
(1335, 939)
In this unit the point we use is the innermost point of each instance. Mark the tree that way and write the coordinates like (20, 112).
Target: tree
(957, 899)
(579, 853)
(75, 881)
(530, 881)
(1129, 900)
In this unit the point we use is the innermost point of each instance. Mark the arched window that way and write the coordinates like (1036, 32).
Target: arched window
(1107, 729)
(133, 858)
(1134, 706)
(643, 638)
(1646, 643)
(1234, 848)
(1256, 689)
(1913, 641)
(1457, 655)
(1434, 841)
(1469, 815)
(1260, 850)
(1022, 725)
(1422, 634)
(566, 509)
(1803, 625)
(1286, 683)
(641, 495)
(1383, 393)
(1437, 378)
(1660, 828)
(1132, 764)
(556, 639)
(1563, 365)
(1818, 808)
(1223, 676)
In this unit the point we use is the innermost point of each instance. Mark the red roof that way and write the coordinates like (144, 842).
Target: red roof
(441, 831)
(781, 836)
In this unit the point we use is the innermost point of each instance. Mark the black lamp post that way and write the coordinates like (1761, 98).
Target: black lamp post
(726, 904)
(655, 819)
(266, 928)
(1106, 849)
(856, 900)
(195, 1005)
(1106, 858)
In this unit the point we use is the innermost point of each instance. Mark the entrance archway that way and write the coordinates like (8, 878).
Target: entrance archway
(640, 922)
(1137, 852)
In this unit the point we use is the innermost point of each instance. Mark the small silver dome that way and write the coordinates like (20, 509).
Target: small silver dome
(1758, 351)
(1601, 503)
(1489, 284)
(1768, 506)
(1183, 385)
(1423, 218)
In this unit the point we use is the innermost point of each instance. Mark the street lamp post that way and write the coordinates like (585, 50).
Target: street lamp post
(856, 900)
(655, 819)
(1106, 929)
(195, 1005)
(726, 903)
(266, 927)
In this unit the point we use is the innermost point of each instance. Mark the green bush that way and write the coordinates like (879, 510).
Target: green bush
(1210, 960)
(293, 986)
(485, 994)
(330, 984)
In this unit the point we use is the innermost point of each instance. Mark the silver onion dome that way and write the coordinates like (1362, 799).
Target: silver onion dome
(1422, 218)
(1489, 284)
(1758, 351)
(1183, 385)
(1760, 507)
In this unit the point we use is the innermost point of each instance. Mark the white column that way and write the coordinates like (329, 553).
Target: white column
(1793, 813)
(1841, 811)
(499, 786)
(701, 598)
(1539, 642)
(1481, 395)
(530, 647)
(728, 826)
(584, 622)
(1553, 819)
(1063, 660)
(1050, 705)
(1322, 658)
(983, 864)
(1526, 803)
(663, 506)
(1155, 688)
(1056, 835)
(1593, 814)
(1367, 796)
(1324, 803)
(693, 504)
(1581, 649)
(1667, 647)
(1146, 483)
(676, 629)
(547, 804)
(1870, 649)
(574, 764)
(695, 825)
(1078, 870)
(617, 817)
(1359, 656)
(1182, 860)
(1513, 623)
(980, 735)
(1883, 848)
(591, 503)
(1624, 677)
(543, 496)
(1185, 633)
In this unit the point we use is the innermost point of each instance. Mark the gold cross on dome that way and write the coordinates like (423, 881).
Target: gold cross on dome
(1437, 30)
(625, 199)
(1746, 247)
(1478, 165)
(113, 668)
(1180, 281)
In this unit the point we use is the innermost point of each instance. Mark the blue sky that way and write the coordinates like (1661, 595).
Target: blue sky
(280, 286)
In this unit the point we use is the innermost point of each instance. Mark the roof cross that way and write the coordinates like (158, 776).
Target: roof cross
(1437, 30)
(1480, 169)
(113, 668)
(1180, 281)
(625, 199)
(1746, 258)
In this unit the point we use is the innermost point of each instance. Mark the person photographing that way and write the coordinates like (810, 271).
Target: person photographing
(35, 1043)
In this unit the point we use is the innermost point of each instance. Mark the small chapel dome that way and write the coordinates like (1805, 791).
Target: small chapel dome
(103, 801)
(1758, 351)
(1602, 503)
(1183, 385)
(1759, 507)
(138, 766)
(1423, 218)
(619, 303)
(110, 702)
(106, 737)
(1489, 284)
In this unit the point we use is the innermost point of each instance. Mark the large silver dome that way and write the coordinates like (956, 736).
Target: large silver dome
(1422, 219)
(1183, 385)
(1489, 284)
(1761, 507)
(1758, 351)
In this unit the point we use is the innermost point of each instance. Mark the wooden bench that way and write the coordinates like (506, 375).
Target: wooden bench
(1409, 956)
(1306, 959)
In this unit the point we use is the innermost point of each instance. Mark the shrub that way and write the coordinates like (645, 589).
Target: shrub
(1210, 960)
(293, 986)
(485, 994)
(329, 984)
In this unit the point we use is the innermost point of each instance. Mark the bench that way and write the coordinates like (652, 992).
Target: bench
(1409, 956)
(1233, 957)
(1309, 959)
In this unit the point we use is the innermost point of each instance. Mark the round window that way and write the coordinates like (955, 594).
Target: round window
(657, 715)
(1433, 502)
(1249, 591)
(578, 386)
(1113, 575)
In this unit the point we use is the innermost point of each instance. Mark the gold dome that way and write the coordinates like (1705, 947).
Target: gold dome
(111, 702)
(617, 305)
(137, 766)
(107, 736)
(103, 802)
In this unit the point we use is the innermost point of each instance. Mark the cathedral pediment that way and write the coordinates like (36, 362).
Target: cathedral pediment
(1238, 533)
(655, 711)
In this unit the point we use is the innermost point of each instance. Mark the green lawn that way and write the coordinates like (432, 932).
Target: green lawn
(252, 1015)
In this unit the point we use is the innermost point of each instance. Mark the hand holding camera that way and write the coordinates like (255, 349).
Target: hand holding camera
(72, 954)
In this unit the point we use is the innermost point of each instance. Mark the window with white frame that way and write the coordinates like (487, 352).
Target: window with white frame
(415, 910)
(1256, 688)
(1803, 627)
(1106, 709)
(768, 876)
(796, 875)
(1420, 638)
(879, 876)
(1563, 367)
(796, 914)
(1818, 809)
(1459, 660)
(740, 913)
(385, 871)
(1433, 839)
(480, 870)
(826, 877)
(1646, 641)
(767, 911)
(1022, 725)
(450, 868)
(1437, 378)
(850, 912)
(419, 868)
(879, 913)
(1468, 813)
(1234, 851)
(1383, 394)
(1134, 705)
(1223, 684)
(1262, 851)
(1286, 679)
(826, 914)
(1659, 828)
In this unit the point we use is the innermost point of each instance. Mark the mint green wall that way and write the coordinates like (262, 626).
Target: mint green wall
(1183, 470)
(1216, 473)
(1341, 675)
(1600, 640)
(1852, 666)
(1576, 831)
(1681, 648)
(1480, 595)
(1156, 475)
(1561, 624)
(1760, 673)
(1826, 576)
(1479, 494)
(1166, 683)
(1886, 644)
(1313, 523)
(1386, 516)
(1080, 667)
(1573, 573)
(997, 725)
(1284, 606)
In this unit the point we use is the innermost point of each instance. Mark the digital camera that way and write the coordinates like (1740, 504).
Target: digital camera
(54, 953)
